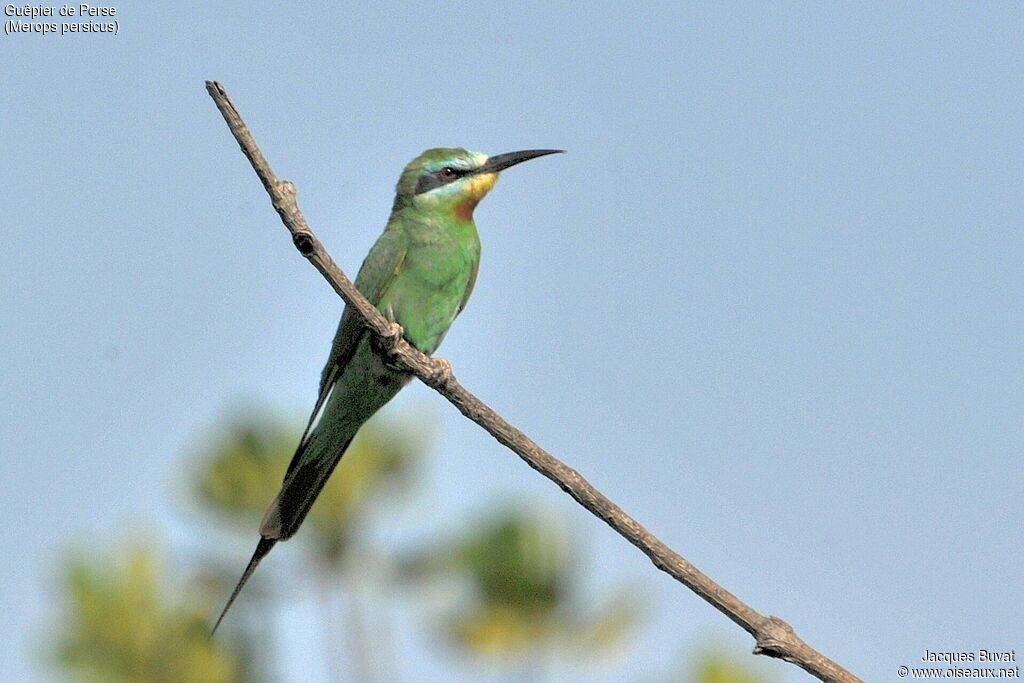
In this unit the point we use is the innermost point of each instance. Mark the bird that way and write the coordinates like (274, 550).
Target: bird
(419, 274)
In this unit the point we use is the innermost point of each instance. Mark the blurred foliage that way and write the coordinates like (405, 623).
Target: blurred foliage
(515, 577)
(719, 664)
(242, 469)
(719, 668)
(519, 588)
(121, 625)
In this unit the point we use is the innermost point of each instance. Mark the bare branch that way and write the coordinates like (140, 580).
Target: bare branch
(773, 636)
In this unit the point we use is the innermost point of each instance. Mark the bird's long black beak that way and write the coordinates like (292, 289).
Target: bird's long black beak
(499, 162)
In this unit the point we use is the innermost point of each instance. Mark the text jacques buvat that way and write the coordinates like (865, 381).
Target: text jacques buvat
(34, 19)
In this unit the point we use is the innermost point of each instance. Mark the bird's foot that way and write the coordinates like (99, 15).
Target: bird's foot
(440, 372)
(387, 345)
(391, 337)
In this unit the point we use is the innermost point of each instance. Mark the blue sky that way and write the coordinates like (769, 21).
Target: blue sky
(769, 302)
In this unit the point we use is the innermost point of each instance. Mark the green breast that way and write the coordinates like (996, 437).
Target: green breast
(437, 273)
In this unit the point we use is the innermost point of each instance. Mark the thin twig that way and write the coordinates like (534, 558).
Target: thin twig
(773, 636)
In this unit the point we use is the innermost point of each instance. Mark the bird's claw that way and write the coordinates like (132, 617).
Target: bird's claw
(386, 344)
(391, 337)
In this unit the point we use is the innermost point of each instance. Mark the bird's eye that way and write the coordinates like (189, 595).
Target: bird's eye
(448, 173)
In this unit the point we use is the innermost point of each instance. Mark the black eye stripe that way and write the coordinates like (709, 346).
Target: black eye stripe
(442, 176)
(452, 173)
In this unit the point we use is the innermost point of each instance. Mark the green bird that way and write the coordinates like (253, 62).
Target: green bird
(419, 274)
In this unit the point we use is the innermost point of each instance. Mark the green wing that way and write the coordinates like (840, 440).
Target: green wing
(380, 267)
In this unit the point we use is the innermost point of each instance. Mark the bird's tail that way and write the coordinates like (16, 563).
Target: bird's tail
(262, 548)
(310, 470)
(311, 467)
